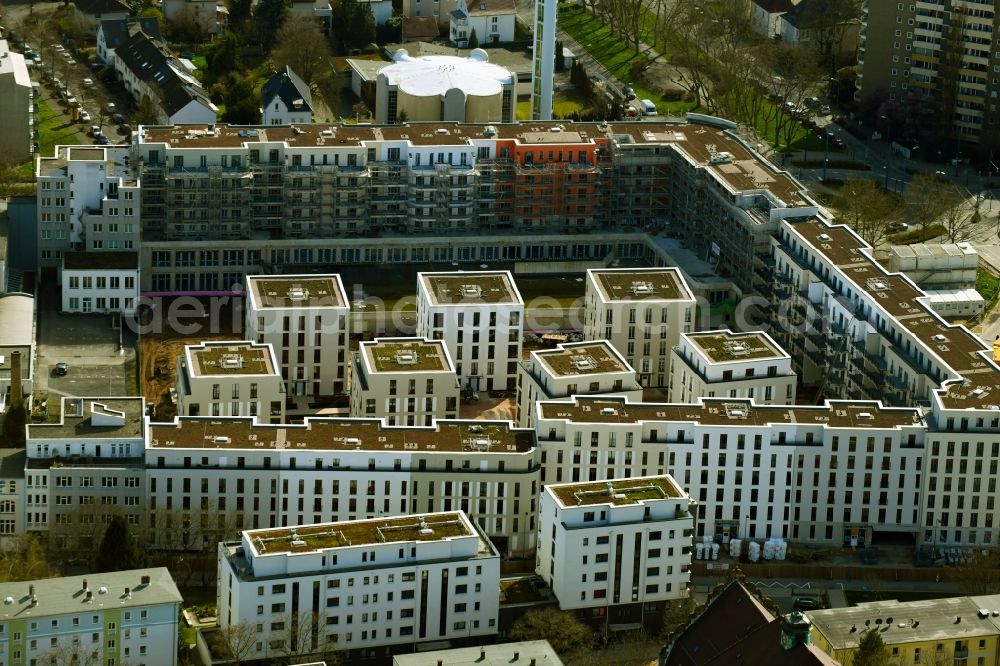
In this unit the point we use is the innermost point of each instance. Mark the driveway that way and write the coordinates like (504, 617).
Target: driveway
(88, 344)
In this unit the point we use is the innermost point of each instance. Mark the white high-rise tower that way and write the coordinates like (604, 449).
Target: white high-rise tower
(544, 59)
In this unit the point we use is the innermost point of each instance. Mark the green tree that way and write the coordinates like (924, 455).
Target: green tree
(242, 105)
(240, 12)
(567, 635)
(269, 16)
(301, 45)
(119, 549)
(871, 650)
(560, 58)
(473, 40)
(14, 420)
(353, 25)
(226, 55)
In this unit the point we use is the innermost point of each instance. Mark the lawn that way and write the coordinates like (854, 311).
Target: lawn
(988, 286)
(53, 130)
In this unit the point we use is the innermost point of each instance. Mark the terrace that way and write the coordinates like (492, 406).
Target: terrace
(294, 540)
(406, 356)
(727, 347)
(461, 288)
(617, 493)
(641, 285)
(587, 359)
(230, 359)
(297, 292)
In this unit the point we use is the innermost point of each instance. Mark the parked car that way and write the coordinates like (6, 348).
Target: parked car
(95, 131)
(111, 108)
(62, 369)
(840, 144)
(806, 604)
(88, 83)
(102, 139)
(84, 117)
(824, 110)
(631, 112)
(629, 93)
(117, 118)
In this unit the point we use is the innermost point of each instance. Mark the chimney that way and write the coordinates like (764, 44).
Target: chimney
(482, 654)
(90, 596)
(85, 588)
(532, 662)
(128, 592)
(517, 655)
(440, 662)
(31, 589)
(795, 630)
(145, 580)
(16, 397)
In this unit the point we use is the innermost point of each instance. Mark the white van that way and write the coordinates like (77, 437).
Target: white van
(648, 107)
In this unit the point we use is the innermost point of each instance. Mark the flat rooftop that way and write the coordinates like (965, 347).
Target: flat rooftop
(730, 412)
(66, 595)
(101, 261)
(616, 492)
(585, 358)
(304, 539)
(911, 621)
(309, 291)
(230, 358)
(341, 434)
(120, 418)
(642, 284)
(501, 654)
(406, 355)
(729, 347)
(470, 288)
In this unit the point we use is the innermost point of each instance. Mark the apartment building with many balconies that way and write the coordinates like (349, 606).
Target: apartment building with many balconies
(577, 368)
(616, 551)
(239, 378)
(834, 474)
(935, 58)
(735, 365)
(407, 381)
(642, 312)
(480, 317)
(84, 469)
(306, 320)
(363, 587)
(232, 473)
(116, 617)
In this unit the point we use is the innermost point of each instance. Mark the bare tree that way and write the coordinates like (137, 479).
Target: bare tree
(301, 45)
(66, 653)
(26, 559)
(304, 634)
(867, 209)
(981, 576)
(934, 200)
(567, 635)
(235, 641)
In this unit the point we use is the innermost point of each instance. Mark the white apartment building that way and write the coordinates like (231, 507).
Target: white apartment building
(84, 469)
(620, 548)
(731, 365)
(835, 473)
(230, 379)
(642, 312)
(578, 368)
(88, 199)
(256, 475)
(306, 319)
(363, 586)
(407, 381)
(492, 20)
(15, 106)
(101, 282)
(118, 617)
(480, 317)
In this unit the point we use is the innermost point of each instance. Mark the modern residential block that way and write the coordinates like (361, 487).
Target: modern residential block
(306, 319)
(83, 469)
(363, 586)
(89, 199)
(642, 312)
(734, 365)
(258, 475)
(619, 548)
(230, 379)
(407, 381)
(578, 368)
(480, 317)
(118, 617)
(15, 106)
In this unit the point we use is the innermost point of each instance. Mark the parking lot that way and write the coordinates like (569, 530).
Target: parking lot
(88, 344)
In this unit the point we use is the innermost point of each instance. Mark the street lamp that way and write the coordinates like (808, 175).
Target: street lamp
(888, 162)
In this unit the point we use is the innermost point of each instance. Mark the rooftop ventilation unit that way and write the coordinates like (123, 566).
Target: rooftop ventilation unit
(976, 392)
(864, 415)
(406, 357)
(221, 439)
(481, 443)
(619, 496)
(642, 288)
(353, 441)
(584, 363)
(721, 158)
(231, 362)
(475, 428)
(939, 338)
(327, 133)
(298, 543)
(471, 291)
(608, 411)
(737, 411)
(423, 529)
(298, 294)
(823, 237)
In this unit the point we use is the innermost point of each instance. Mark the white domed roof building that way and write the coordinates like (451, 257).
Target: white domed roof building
(449, 88)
